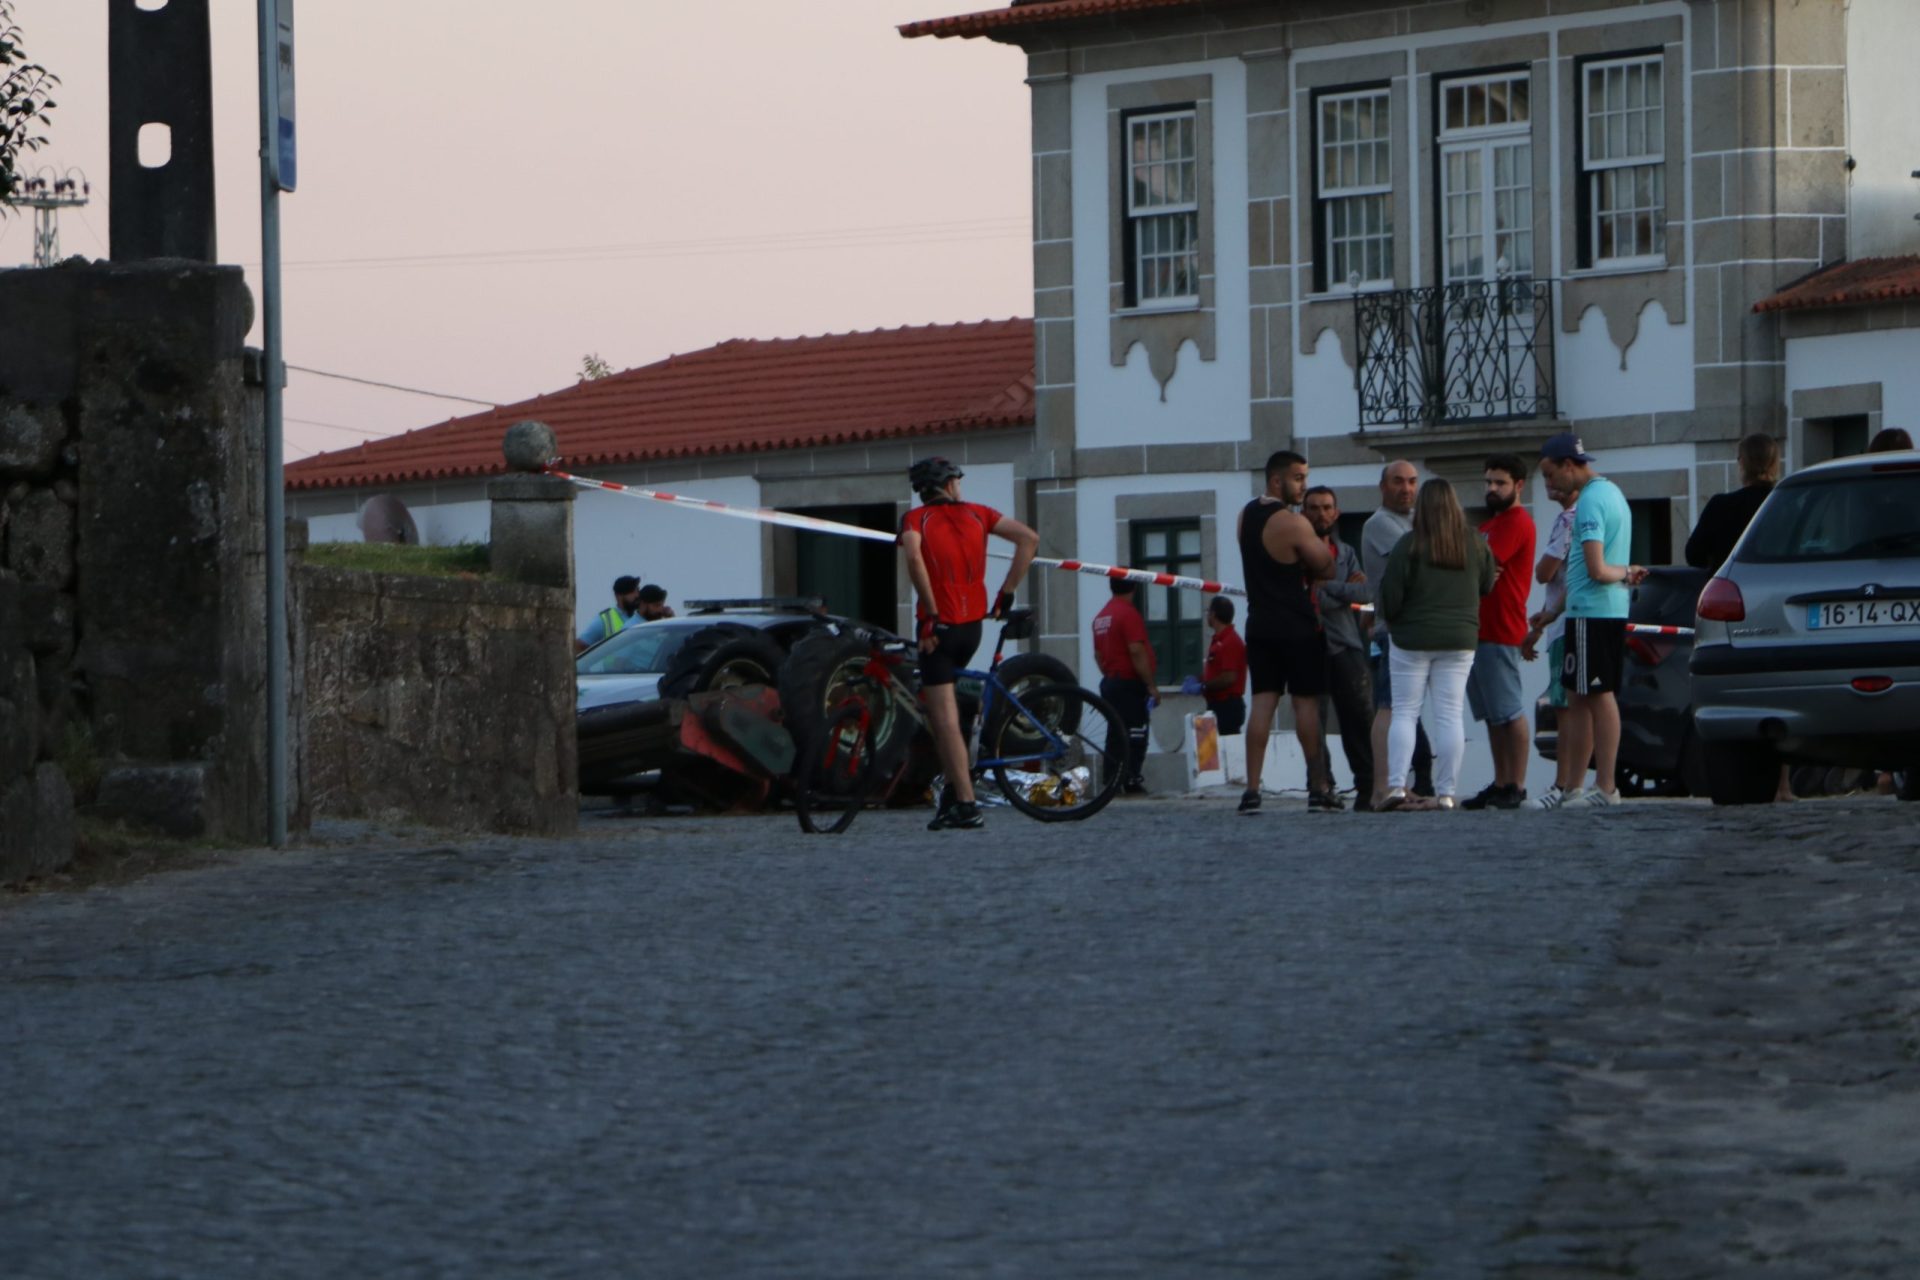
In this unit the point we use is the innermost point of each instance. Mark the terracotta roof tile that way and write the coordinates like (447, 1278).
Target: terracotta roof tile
(1032, 13)
(743, 396)
(1850, 284)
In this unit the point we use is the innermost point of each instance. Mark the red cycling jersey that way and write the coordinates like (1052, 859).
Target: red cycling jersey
(954, 547)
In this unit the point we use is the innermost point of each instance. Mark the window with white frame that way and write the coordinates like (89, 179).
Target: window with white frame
(1355, 179)
(1623, 161)
(1163, 208)
(1486, 177)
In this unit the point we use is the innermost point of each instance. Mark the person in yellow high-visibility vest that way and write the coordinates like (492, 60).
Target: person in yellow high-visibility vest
(612, 621)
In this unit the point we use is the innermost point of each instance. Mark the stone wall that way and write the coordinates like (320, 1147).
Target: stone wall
(132, 599)
(447, 702)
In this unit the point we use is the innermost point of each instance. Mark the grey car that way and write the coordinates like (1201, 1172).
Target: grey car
(1808, 639)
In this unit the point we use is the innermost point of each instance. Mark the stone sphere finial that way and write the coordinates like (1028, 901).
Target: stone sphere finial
(530, 446)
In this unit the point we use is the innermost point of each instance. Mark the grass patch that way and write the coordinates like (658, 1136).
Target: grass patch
(112, 853)
(462, 560)
(79, 760)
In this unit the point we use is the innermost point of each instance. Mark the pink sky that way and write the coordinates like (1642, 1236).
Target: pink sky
(732, 168)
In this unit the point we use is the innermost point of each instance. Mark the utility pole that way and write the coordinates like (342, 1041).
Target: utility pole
(47, 193)
(277, 174)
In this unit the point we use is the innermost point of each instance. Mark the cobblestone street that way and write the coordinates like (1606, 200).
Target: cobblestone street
(1668, 1042)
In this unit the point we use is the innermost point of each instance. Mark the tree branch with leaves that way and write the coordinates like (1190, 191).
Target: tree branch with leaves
(24, 103)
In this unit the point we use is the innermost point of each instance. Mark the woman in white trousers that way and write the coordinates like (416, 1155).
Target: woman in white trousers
(1430, 596)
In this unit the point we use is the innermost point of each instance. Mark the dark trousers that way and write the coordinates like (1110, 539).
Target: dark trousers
(1350, 690)
(1129, 698)
(1229, 714)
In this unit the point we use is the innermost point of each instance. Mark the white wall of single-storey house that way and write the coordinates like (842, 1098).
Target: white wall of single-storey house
(1887, 357)
(1206, 400)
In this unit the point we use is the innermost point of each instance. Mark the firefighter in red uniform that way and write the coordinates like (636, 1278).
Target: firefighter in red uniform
(945, 542)
(1127, 678)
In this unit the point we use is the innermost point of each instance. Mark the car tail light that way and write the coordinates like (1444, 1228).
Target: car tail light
(1722, 602)
(1872, 684)
(1896, 466)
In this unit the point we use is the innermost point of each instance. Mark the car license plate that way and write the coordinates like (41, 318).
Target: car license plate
(1863, 613)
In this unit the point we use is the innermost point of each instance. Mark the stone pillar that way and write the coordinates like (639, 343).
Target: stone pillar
(532, 529)
(171, 548)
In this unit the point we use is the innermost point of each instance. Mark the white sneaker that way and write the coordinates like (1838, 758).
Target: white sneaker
(1597, 799)
(1554, 798)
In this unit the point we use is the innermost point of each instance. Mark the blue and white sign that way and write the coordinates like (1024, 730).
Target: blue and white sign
(286, 167)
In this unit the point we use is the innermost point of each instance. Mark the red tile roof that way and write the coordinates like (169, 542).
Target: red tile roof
(992, 21)
(1850, 284)
(743, 396)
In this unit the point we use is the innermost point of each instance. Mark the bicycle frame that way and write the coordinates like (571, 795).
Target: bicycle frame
(879, 671)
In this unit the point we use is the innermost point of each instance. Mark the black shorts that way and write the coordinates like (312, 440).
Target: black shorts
(1596, 655)
(1295, 663)
(954, 646)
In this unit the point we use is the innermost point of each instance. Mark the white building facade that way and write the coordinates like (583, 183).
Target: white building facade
(1434, 231)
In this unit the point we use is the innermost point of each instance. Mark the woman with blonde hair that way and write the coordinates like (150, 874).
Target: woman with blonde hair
(1430, 596)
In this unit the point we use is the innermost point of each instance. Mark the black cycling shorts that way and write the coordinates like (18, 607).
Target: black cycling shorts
(953, 648)
(1295, 663)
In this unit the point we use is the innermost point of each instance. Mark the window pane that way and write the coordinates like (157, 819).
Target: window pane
(1520, 100)
(1189, 542)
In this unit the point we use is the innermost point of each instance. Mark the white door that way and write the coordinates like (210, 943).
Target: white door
(1486, 266)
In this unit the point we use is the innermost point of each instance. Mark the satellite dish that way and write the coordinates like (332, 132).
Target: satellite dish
(386, 519)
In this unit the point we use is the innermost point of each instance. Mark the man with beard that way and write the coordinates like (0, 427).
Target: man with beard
(1281, 560)
(1350, 681)
(1493, 687)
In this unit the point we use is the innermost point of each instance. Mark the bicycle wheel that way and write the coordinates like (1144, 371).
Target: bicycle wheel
(837, 772)
(1060, 755)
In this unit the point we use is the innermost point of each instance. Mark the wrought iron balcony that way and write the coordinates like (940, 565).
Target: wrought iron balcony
(1458, 353)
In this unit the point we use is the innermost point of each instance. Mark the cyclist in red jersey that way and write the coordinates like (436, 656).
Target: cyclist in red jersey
(945, 541)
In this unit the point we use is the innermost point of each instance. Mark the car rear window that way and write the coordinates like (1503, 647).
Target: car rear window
(637, 651)
(1857, 517)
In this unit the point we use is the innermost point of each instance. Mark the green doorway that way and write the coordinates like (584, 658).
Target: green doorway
(857, 577)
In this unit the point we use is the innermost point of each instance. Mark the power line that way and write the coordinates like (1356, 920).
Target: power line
(335, 426)
(391, 386)
(899, 234)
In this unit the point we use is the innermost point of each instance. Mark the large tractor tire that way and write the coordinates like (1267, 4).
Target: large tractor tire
(725, 655)
(821, 674)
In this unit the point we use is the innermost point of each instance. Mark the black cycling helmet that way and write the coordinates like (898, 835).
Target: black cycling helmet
(931, 474)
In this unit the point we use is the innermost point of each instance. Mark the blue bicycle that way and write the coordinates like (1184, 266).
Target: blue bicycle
(1058, 752)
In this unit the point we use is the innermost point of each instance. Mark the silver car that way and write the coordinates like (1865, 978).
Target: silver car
(1808, 640)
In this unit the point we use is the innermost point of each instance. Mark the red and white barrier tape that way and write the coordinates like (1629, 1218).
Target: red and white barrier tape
(763, 515)
(766, 515)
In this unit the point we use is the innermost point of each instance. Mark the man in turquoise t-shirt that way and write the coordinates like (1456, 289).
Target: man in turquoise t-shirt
(1598, 575)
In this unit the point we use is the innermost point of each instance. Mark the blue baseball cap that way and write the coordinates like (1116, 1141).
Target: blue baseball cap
(1565, 447)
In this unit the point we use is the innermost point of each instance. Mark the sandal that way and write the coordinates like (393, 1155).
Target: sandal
(1395, 798)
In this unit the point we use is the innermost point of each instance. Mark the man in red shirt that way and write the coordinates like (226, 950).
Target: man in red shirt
(1493, 688)
(945, 543)
(1223, 680)
(1127, 667)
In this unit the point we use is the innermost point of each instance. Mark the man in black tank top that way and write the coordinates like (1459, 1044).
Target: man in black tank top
(1281, 560)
